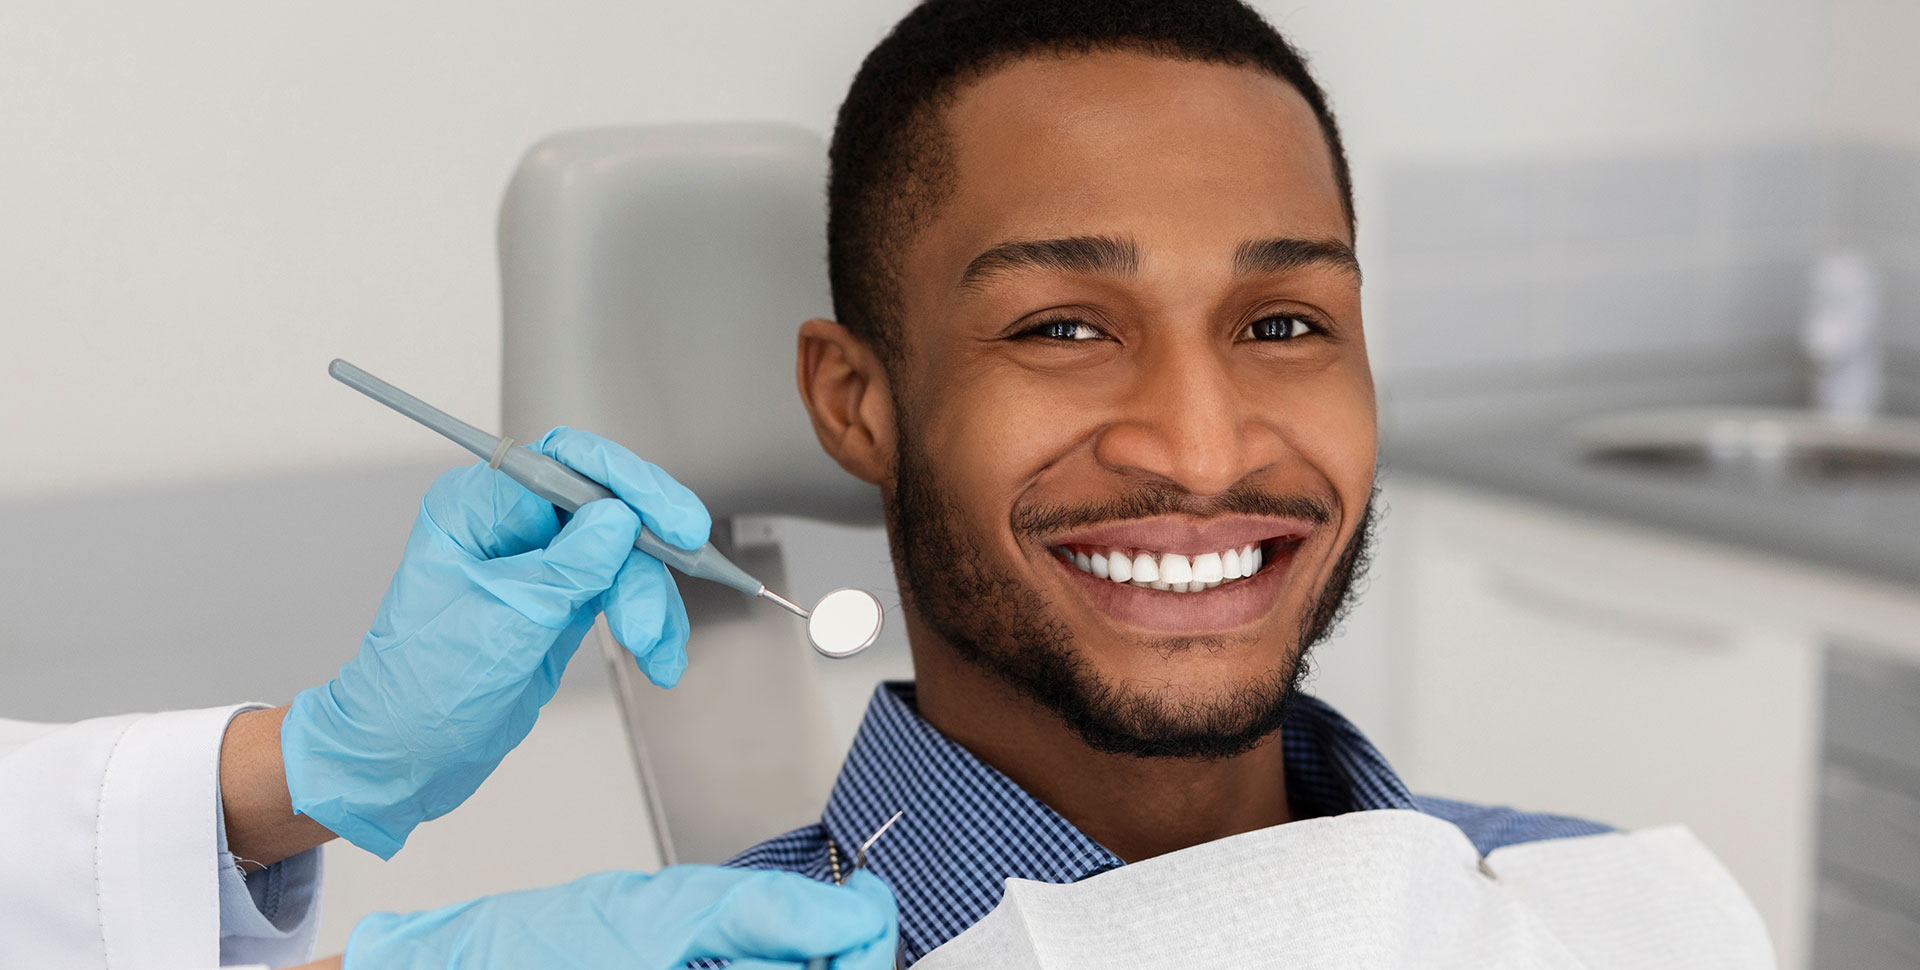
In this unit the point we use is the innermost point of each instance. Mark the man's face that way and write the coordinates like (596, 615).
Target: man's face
(1132, 332)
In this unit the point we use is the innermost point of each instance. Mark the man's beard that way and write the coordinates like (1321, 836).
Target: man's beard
(1009, 630)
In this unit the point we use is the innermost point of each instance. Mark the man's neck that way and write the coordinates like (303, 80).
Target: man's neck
(1137, 808)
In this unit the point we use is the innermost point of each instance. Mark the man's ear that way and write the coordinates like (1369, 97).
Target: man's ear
(844, 386)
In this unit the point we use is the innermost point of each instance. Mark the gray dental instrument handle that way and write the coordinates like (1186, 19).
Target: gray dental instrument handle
(544, 477)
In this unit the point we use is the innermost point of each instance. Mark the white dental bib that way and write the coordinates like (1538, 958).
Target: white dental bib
(1378, 890)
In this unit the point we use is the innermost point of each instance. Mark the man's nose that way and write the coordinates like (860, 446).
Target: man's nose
(1185, 419)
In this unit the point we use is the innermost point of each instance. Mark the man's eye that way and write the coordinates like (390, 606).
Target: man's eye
(1279, 327)
(1062, 330)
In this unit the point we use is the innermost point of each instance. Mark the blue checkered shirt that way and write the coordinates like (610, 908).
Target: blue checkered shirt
(967, 828)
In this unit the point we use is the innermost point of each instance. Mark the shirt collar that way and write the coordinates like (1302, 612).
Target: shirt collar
(968, 828)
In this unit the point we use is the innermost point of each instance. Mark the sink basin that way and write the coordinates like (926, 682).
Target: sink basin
(1762, 443)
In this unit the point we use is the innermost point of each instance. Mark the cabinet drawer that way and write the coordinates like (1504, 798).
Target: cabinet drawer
(1849, 934)
(1873, 710)
(1871, 835)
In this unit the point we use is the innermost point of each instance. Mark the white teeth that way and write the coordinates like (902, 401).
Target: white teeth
(1207, 568)
(1171, 571)
(1145, 570)
(1176, 569)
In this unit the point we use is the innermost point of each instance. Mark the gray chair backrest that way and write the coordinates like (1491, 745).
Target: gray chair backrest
(653, 279)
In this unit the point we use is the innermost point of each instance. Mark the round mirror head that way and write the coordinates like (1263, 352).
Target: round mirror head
(845, 622)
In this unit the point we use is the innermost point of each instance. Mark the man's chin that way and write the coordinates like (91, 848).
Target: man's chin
(1188, 721)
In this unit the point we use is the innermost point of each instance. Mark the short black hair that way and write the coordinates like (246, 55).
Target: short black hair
(889, 164)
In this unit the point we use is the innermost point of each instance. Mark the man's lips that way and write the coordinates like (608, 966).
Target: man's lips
(1185, 536)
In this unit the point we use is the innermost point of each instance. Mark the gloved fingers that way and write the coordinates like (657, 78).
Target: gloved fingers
(667, 507)
(647, 616)
(586, 557)
(631, 919)
(769, 915)
(549, 586)
(487, 514)
(879, 954)
(435, 937)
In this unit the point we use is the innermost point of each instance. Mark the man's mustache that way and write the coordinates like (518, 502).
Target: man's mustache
(1149, 499)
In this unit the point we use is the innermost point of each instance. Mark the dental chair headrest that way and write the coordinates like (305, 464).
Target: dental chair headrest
(653, 279)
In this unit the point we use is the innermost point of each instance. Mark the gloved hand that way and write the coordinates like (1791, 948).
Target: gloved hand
(633, 921)
(490, 602)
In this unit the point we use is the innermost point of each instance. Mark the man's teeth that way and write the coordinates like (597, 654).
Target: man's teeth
(1169, 571)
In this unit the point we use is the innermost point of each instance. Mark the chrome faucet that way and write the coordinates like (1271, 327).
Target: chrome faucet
(1843, 338)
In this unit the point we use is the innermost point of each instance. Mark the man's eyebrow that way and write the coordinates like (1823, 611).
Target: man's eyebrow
(1282, 255)
(1075, 254)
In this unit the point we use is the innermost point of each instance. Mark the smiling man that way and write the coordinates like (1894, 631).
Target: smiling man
(1100, 345)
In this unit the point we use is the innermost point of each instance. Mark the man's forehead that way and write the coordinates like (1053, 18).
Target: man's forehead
(1130, 144)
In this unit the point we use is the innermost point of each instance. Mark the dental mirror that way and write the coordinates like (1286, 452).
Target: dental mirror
(844, 622)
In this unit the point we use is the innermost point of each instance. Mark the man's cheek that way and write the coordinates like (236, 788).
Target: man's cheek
(1334, 432)
(1003, 442)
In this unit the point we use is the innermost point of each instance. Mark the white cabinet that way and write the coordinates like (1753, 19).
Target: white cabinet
(1560, 663)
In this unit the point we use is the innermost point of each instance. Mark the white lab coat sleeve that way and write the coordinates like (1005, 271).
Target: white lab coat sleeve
(110, 847)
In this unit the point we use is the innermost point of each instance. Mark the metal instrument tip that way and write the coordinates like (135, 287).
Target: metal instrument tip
(861, 859)
(783, 603)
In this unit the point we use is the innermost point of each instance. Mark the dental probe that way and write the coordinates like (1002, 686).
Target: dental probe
(859, 862)
(843, 623)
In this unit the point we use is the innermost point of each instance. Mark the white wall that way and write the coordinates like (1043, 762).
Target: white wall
(205, 202)
(1874, 73)
(1499, 78)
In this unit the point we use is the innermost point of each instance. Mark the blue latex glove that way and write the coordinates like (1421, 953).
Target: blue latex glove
(490, 602)
(633, 921)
